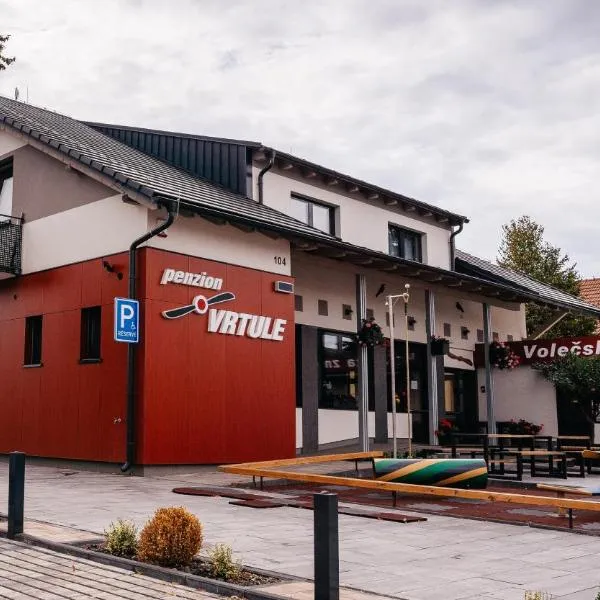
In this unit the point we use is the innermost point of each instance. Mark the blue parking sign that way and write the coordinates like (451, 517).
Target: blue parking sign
(127, 320)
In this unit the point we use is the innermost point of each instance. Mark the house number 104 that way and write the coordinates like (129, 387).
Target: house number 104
(279, 260)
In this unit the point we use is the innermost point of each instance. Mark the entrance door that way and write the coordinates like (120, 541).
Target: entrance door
(572, 419)
(460, 399)
(417, 364)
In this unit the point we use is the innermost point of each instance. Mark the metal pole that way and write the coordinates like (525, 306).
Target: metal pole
(363, 366)
(489, 382)
(326, 547)
(390, 302)
(406, 298)
(16, 493)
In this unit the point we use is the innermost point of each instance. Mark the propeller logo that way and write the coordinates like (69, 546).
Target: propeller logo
(200, 305)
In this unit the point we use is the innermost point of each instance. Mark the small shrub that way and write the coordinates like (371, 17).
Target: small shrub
(222, 564)
(538, 596)
(121, 538)
(171, 538)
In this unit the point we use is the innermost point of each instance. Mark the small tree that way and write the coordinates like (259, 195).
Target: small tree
(4, 60)
(579, 379)
(523, 249)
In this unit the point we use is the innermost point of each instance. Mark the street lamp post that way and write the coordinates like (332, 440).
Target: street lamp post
(391, 300)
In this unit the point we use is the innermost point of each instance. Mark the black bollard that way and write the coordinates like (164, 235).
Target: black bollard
(327, 559)
(16, 493)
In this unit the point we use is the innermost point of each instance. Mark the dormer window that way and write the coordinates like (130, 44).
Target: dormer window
(405, 243)
(313, 213)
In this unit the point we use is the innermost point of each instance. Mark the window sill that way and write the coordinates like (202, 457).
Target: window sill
(37, 366)
(90, 361)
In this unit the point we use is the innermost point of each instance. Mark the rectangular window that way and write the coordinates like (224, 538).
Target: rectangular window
(405, 244)
(315, 214)
(480, 336)
(509, 338)
(323, 308)
(91, 324)
(464, 333)
(298, 303)
(33, 341)
(447, 330)
(347, 312)
(370, 313)
(6, 188)
(338, 372)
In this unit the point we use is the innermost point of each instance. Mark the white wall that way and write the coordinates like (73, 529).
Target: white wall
(96, 229)
(521, 393)
(198, 237)
(321, 279)
(361, 222)
(342, 425)
(9, 142)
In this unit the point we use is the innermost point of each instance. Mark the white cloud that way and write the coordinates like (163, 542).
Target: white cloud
(485, 108)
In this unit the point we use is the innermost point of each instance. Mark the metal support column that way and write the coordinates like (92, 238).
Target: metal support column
(432, 372)
(363, 366)
(489, 381)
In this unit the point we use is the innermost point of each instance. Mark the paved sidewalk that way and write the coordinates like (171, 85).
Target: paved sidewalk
(466, 559)
(28, 572)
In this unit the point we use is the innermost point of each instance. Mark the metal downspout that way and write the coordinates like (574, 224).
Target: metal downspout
(131, 348)
(452, 245)
(262, 173)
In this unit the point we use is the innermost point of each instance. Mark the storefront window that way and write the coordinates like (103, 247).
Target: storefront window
(339, 374)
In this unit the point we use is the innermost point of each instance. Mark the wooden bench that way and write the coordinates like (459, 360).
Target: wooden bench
(561, 492)
(273, 470)
(573, 442)
(590, 457)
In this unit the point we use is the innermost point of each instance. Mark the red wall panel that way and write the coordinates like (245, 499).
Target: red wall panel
(63, 409)
(201, 397)
(208, 397)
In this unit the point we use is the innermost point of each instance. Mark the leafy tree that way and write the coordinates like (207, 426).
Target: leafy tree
(578, 378)
(4, 60)
(523, 249)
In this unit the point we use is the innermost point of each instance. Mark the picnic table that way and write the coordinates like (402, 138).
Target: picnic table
(549, 455)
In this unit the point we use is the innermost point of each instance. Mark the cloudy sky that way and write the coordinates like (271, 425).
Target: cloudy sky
(489, 108)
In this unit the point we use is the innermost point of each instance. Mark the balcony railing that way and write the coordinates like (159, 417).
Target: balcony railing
(11, 238)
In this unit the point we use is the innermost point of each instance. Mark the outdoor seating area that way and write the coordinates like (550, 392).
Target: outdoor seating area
(509, 456)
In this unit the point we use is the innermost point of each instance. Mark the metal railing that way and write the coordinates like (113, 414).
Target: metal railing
(11, 239)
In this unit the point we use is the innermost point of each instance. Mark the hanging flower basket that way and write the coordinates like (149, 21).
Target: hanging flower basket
(439, 346)
(370, 333)
(502, 357)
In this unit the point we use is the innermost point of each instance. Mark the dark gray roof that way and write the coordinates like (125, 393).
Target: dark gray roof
(134, 170)
(142, 138)
(546, 294)
(140, 172)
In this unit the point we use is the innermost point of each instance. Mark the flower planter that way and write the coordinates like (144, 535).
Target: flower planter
(440, 347)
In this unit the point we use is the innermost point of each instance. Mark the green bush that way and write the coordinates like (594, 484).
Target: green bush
(222, 564)
(171, 538)
(121, 538)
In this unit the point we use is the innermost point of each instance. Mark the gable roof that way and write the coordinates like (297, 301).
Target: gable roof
(135, 170)
(538, 292)
(131, 169)
(182, 149)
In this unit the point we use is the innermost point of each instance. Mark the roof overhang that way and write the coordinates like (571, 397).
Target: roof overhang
(335, 249)
(351, 185)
